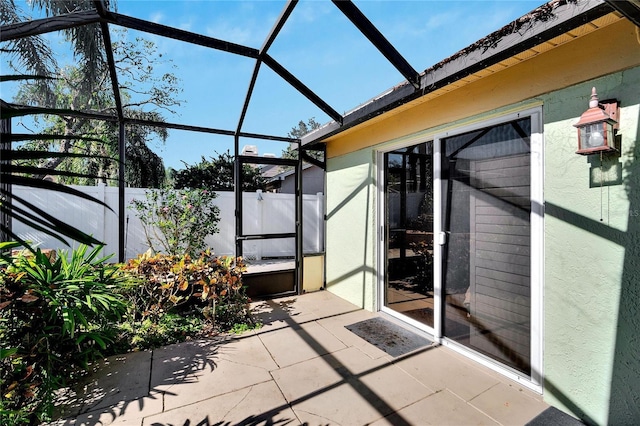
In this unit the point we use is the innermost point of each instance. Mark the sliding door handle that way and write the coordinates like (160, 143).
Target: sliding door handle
(442, 238)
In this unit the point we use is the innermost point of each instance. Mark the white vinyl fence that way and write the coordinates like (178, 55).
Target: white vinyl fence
(263, 213)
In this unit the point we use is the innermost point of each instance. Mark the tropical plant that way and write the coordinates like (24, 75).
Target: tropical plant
(57, 314)
(152, 332)
(216, 174)
(176, 222)
(32, 56)
(169, 284)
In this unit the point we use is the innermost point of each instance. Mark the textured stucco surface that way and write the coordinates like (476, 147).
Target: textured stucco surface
(591, 302)
(350, 247)
(592, 267)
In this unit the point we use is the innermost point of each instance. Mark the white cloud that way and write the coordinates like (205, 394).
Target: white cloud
(234, 33)
(440, 20)
(157, 17)
(307, 12)
(186, 25)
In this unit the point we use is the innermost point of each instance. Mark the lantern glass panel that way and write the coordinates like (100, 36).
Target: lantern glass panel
(608, 135)
(593, 135)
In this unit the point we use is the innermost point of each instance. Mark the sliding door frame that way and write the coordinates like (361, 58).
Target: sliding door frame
(382, 233)
(533, 382)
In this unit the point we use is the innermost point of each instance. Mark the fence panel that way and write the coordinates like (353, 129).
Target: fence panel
(267, 213)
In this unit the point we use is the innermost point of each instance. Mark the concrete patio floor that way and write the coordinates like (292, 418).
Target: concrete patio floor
(303, 367)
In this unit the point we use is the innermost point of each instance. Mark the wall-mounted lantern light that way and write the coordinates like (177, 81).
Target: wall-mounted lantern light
(596, 126)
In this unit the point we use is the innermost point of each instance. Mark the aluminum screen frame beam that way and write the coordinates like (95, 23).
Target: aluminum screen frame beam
(376, 38)
(282, 19)
(46, 25)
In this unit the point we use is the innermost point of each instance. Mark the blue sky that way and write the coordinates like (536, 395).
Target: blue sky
(318, 45)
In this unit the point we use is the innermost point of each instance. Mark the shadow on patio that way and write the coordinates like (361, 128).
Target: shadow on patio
(302, 367)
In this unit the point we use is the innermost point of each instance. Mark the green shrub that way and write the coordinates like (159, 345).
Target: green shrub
(151, 333)
(178, 221)
(55, 316)
(207, 285)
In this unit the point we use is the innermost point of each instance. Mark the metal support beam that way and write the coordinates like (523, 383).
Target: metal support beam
(47, 25)
(175, 126)
(5, 186)
(309, 159)
(266, 137)
(299, 227)
(247, 99)
(178, 34)
(300, 87)
(15, 110)
(237, 191)
(253, 237)
(282, 19)
(122, 142)
(284, 15)
(369, 30)
(111, 63)
(122, 164)
(248, 159)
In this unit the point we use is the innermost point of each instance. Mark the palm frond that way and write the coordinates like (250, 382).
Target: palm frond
(32, 221)
(11, 170)
(33, 54)
(55, 225)
(14, 237)
(45, 184)
(12, 110)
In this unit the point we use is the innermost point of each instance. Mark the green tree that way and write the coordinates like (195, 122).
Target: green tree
(32, 59)
(33, 56)
(298, 132)
(216, 174)
(140, 89)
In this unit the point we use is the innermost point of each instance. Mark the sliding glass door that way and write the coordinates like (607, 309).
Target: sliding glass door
(408, 193)
(461, 256)
(486, 261)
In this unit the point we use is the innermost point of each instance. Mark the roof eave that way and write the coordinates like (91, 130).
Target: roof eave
(630, 9)
(507, 42)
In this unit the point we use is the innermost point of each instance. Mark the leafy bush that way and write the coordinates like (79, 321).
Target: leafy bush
(55, 316)
(149, 333)
(208, 284)
(178, 221)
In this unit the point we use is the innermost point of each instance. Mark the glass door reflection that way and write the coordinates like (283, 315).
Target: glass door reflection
(486, 211)
(409, 232)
